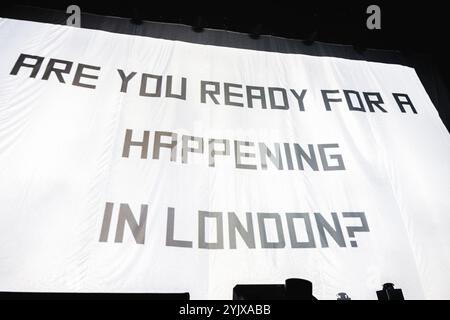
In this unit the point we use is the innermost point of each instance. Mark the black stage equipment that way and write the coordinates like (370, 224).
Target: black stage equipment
(293, 289)
(91, 296)
(389, 293)
(343, 296)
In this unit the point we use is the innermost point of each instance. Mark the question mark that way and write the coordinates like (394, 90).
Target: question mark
(352, 230)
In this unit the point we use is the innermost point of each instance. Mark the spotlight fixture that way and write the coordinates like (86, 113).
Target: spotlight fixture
(311, 38)
(359, 47)
(136, 17)
(198, 24)
(256, 31)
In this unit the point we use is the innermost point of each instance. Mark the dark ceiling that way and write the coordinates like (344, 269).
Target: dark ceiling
(419, 27)
(407, 25)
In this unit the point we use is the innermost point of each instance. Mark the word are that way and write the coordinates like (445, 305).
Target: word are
(60, 69)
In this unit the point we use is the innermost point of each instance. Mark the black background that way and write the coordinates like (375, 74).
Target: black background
(420, 26)
(411, 27)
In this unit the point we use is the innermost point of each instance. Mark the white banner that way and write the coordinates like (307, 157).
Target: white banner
(134, 164)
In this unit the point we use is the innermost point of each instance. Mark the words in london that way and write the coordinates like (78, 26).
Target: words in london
(232, 230)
